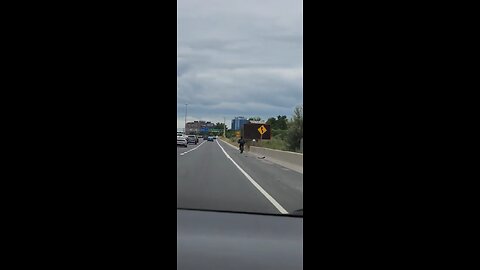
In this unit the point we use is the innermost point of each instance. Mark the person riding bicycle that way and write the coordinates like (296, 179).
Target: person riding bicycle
(241, 142)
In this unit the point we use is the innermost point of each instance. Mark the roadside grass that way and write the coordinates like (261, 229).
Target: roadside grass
(274, 143)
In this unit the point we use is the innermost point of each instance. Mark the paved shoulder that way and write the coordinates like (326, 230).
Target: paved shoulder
(283, 184)
(206, 179)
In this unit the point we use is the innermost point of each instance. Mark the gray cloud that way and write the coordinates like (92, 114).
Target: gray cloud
(239, 57)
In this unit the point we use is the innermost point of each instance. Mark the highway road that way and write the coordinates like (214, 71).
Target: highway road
(215, 176)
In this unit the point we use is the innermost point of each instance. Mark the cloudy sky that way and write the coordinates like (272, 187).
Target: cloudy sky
(238, 58)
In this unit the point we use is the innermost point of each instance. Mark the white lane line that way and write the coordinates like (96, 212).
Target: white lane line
(269, 198)
(230, 145)
(191, 149)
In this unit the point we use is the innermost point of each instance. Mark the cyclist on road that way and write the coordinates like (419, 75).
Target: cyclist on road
(241, 142)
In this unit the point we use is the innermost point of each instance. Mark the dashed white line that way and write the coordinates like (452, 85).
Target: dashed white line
(191, 149)
(255, 184)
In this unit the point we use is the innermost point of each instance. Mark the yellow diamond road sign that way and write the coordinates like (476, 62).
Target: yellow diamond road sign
(262, 129)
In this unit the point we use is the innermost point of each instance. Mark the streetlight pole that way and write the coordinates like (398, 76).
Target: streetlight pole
(224, 127)
(186, 118)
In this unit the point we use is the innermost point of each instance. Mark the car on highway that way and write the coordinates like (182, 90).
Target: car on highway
(192, 139)
(182, 140)
(210, 138)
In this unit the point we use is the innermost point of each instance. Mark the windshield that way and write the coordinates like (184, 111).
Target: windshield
(240, 95)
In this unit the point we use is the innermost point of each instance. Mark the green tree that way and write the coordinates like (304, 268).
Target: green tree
(272, 122)
(279, 133)
(256, 118)
(295, 129)
(230, 133)
(220, 126)
(280, 123)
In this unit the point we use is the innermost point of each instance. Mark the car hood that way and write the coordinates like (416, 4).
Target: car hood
(225, 240)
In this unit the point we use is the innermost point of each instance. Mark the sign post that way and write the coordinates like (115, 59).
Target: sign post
(261, 130)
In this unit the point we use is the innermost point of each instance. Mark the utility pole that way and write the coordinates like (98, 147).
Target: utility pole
(185, 118)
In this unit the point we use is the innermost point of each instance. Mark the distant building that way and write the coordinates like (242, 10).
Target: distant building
(198, 127)
(238, 122)
(256, 122)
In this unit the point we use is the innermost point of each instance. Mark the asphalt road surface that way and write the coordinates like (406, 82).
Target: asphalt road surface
(215, 176)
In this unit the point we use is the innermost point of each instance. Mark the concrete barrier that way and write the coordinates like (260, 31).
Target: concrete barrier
(290, 160)
(282, 156)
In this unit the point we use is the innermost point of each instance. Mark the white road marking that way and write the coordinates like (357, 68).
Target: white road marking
(255, 184)
(191, 149)
(229, 144)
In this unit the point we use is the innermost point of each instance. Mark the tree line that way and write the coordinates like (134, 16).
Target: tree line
(286, 133)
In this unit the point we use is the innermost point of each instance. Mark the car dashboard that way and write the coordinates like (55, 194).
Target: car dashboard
(228, 240)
